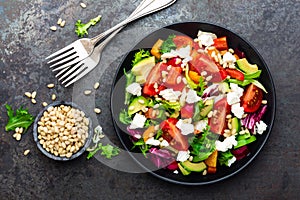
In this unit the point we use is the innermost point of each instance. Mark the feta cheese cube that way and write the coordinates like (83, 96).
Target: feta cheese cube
(228, 143)
(138, 121)
(170, 94)
(164, 143)
(236, 89)
(206, 38)
(260, 127)
(232, 98)
(201, 125)
(152, 141)
(183, 156)
(237, 110)
(192, 97)
(134, 89)
(186, 128)
(231, 161)
(228, 58)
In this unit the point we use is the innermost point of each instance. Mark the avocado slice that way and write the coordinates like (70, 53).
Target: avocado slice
(142, 69)
(137, 104)
(236, 124)
(193, 167)
(183, 170)
(245, 66)
(208, 107)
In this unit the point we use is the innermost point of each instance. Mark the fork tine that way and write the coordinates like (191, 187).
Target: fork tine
(78, 71)
(72, 69)
(83, 73)
(67, 48)
(62, 56)
(62, 71)
(73, 60)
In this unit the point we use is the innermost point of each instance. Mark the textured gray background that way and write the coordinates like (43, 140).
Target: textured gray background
(273, 28)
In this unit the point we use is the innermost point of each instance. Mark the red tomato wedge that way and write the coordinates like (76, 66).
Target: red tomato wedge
(252, 98)
(172, 79)
(218, 121)
(182, 41)
(173, 135)
(154, 79)
(175, 62)
(234, 73)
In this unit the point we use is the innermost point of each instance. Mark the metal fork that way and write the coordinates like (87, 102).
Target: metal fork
(82, 48)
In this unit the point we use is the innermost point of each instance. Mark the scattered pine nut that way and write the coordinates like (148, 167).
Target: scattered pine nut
(50, 85)
(63, 23)
(97, 110)
(21, 130)
(87, 92)
(18, 136)
(53, 97)
(45, 104)
(96, 85)
(26, 152)
(33, 94)
(83, 5)
(53, 28)
(264, 102)
(28, 94)
(59, 21)
(33, 101)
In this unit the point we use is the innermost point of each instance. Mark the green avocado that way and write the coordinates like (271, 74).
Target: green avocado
(193, 167)
(183, 170)
(245, 66)
(142, 69)
(137, 104)
(236, 124)
(208, 107)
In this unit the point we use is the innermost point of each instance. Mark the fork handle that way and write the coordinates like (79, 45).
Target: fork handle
(146, 7)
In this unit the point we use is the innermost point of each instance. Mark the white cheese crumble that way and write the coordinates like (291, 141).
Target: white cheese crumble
(237, 110)
(260, 127)
(205, 38)
(170, 95)
(164, 143)
(175, 172)
(231, 161)
(228, 143)
(236, 89)
(152, 141)
(201, 125)
(232, 98)
(192, 97)
(134, 89)
(183, 156)
(138, 121)
(185, 127)
(183, 53)
(229, 58)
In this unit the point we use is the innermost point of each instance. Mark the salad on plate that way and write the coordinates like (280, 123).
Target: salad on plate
(192, 105)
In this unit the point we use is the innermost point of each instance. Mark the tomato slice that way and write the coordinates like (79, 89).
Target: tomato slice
(218, 121)
(252, 98)
(187, 111)
(234, 73)
(172, 79)
(175, 62)
(182, 41)
(153, 82)
(173, 135)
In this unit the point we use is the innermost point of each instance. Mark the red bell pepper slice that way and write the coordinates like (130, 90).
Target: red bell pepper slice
(221, 43)
(234, 73)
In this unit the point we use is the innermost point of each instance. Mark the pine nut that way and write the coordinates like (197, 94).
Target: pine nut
(83, 5)
(26, 152)
(33, 101)
(33, 94)
(28, 94)
(59, 21)
(53, 97)
(87, 92)
(50, 85)
(96, 85)
(45, 104)
(63, 23)
(18, 136)
(53, 28)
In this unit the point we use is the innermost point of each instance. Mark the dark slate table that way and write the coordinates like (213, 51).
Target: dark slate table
(271, 26)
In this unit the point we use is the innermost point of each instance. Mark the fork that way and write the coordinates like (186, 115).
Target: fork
(82, 48)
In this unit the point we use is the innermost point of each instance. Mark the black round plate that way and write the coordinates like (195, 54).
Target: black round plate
(191, 29)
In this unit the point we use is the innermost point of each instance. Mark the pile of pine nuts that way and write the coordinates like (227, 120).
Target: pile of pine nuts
(63, 130)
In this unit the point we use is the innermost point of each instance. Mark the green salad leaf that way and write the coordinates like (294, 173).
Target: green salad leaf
(168, 44)
(203, 145)
(224, 157)
(20, 118)
(107, 150)
(140, 55)
(129, 79)
(81, 29)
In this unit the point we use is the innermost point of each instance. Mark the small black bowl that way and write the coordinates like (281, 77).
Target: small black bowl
(49, 154)
(235, 42)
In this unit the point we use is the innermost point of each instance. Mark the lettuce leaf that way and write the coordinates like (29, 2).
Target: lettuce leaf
(20, 118)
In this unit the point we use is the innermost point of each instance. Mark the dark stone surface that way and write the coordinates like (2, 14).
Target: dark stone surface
(273, 28)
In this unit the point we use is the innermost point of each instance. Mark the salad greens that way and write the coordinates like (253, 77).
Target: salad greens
(108, 151)
(81, 29)
(195, 108)
(19, 118)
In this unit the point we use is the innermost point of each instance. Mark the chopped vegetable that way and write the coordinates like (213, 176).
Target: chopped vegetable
(82, 29)
(225, 157)
(107, 150)
(168, 44)
(18, 119)
(140, 55)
